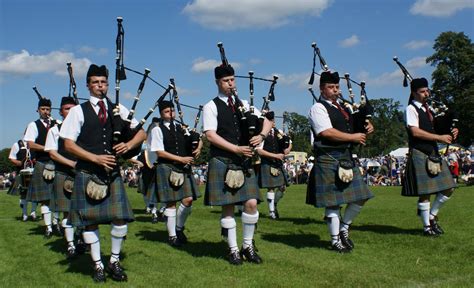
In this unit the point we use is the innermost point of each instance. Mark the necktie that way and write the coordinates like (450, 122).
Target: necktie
(102, 113)
(430, 116)
(344, 112)
(230, 103)
(47, 122)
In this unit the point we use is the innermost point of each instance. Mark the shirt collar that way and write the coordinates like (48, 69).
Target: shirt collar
(417, 104)
(94, 100)
(224, 97)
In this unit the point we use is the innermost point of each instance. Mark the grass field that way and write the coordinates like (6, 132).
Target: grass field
(389, 252)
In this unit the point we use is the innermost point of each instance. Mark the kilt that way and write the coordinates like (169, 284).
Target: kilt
(146, 184)
(218, 194)
(86, 211)
(417, 181)
(266, 180)
(17, 188)
(325, 189)
(39, 189)
(166, 193)
(60, 199)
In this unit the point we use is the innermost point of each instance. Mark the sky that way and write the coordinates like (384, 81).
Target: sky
(178, 39)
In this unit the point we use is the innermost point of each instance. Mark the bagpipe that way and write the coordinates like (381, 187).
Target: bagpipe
(192, 137)
(72, 83)
(361, 112)
(444, 119)
(284, 140)
(122, 130)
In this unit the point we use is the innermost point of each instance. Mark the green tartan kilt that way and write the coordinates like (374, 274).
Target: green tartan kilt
(60, 199)
(417, 181)
(39, 189)
(17, 188)
(218, 194)
(86, 211)
(146, 184)
(166, 193)
(325, 189)
(266, 180)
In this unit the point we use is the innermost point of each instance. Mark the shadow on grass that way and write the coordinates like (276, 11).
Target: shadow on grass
(296, 240)
(37, 230)
(301, 221)
(196, 249)
(138, 211)
(386, 229)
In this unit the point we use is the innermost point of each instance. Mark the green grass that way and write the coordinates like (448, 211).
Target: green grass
(390, 251)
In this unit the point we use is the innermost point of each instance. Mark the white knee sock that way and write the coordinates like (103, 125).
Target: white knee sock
(352, 210)
(118, 233)
(437, 204)
(23, 205)
(248, 223)
(424, 210)
(332, 218)
(231, 227)
(92, 238)
(182, 215)
(271, 201)
(68, 232)
(170, 214)
(46, 216)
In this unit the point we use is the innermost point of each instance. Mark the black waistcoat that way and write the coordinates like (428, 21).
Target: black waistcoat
(41, 140)
(338, 122)
(425, 124)
(61, 150)
(173, 141)
(95, 137)
(228, 127)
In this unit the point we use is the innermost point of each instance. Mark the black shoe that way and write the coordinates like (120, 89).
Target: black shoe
(48, 233)
(344, 234)
(99, 275)
(116, 271)
(174, 241)
(430, 233)
(435, 227)
(181, 236)
(339, 247)
(58, 230)
(251, 255)
(234, 258)
(154, 218)
(71, 252)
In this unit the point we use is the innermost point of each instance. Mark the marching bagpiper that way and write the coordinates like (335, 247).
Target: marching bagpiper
(426, 172)
(99, 195)
(174, 180)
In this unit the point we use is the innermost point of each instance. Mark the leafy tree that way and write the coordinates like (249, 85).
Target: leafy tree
(453, 77)
(299, 129)
(389, 131)
(5, 164)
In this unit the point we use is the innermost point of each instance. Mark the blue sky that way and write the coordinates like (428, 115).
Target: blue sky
(178, 39)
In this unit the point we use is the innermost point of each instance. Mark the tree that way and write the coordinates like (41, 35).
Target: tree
(389, 131)
(299, 130)
(453, 77)
(5, 164)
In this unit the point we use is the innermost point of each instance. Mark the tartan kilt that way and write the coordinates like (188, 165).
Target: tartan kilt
(266, 180)
(146, 185)
(166, 193)
(325, 189)
(86, 211)
(60, 199)
(417, 181)
(39, 189)
(17, 187)
(218, 194)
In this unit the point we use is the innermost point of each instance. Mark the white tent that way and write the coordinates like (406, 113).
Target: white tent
(400, 152)
(372, 163)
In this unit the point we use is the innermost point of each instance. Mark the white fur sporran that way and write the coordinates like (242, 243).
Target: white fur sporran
(176, 179)
(96, 189)
(344, 171)
(433, 165)
(234, 178)
(48, 172)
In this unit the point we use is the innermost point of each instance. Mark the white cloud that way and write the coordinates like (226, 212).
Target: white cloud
(349, 42)
(92, 50)
(229, 15)
(394, 77)
(201, 65)
(417, 44)
(440, 8)
(299, 80)
(24, 63)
